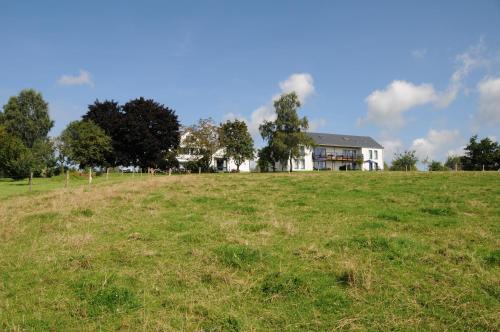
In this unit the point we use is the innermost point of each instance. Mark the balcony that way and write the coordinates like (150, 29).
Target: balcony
(338, 157)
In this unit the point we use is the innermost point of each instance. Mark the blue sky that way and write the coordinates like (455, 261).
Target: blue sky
(423, 75)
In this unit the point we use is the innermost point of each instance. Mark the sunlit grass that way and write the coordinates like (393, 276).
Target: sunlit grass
(230, 252)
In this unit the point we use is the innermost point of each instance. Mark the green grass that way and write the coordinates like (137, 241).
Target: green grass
(10, 188)
(252, 252)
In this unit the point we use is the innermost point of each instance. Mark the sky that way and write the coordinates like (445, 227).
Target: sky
(419, 75)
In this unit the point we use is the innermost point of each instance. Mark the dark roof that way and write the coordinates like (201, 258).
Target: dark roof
(345, 140)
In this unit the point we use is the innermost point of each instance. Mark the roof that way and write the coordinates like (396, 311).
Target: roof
(345, 140)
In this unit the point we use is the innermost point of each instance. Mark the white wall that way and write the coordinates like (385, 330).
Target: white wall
(379, 159)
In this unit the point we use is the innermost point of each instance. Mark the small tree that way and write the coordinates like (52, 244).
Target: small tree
(435, 165)
(288, 132)
(237, 141)
(204, 138)
(109, 116)
(453, 162)
(85, 144)
(404, 161)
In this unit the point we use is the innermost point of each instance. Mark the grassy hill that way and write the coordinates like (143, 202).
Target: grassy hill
(230, 252)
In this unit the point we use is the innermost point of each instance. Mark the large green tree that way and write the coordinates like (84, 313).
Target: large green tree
(404, 161)
(85, 144)
(25, 125)
(481, 153)
(143, 131)
(237, 141)
(27, 116)
(149, 131)
(287, 133)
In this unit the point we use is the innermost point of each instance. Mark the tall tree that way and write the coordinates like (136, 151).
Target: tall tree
(149, 130)
(26, 124)
(478, 154)
(85, 144)
(110, 118)
(237, 141)
(404, 161)
(27, 116)
(287, 133)
(203, 138)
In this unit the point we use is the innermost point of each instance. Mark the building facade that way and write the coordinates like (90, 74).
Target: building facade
(340, 152)
(218, 161)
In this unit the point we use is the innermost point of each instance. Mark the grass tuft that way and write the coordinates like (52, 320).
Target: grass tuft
(237, 256)
(281, 284)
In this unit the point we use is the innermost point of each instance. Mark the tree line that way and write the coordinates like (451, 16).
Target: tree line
(143, 133)
(479, 154)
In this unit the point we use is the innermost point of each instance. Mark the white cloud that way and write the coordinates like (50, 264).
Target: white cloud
(489, 101)
(418, 53)
(83, 78)
(435, 144)
(391, 146)
(300, 83)
(467, 61)
(456, 152)
(386, 107)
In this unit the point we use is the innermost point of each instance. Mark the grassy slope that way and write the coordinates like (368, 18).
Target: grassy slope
(312, 251)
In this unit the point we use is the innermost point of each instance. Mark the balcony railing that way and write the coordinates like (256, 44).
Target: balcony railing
(338, 157)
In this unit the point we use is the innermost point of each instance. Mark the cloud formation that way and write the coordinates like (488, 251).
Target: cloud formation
(489, 101)
(435, 144)
(301, 83)
(386, 107)
(467, 61)
(391, 146)
(83, 78)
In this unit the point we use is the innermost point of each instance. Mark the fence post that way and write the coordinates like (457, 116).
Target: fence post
(107, 173)
(406, 168)
(199, 170)
(169, 171)
(90, 175)
(483, 167)
(67, 179)
(456, 167)
(31, 180)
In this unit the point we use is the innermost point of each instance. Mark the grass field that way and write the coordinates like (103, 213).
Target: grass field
(253, 252)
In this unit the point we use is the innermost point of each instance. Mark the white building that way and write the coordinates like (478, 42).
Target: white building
(338, 152)
(219, 162)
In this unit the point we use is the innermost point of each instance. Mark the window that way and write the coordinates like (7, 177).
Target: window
(376, 154)
(320, 164)
(319, 153)
(302, 164)
(371, 154)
